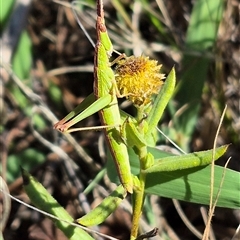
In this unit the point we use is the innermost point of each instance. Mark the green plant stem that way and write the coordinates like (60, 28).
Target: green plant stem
(139, 195)
(138, 203)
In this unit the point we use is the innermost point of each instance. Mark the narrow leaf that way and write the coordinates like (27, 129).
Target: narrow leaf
(97, 215)
(161, 102)
(40, 197)
(190, 160)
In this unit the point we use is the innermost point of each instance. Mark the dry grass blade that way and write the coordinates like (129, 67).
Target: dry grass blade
(213, 203)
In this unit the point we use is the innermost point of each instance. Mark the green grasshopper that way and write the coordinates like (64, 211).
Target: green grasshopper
(106, 103)
(122, 130)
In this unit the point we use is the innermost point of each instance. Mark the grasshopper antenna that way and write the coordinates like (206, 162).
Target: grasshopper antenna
(73, 5)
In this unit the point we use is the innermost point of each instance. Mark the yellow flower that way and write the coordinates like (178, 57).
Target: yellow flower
(138, 78)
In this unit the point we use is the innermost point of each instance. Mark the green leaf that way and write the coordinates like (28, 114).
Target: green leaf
(55, 92)
(28, 159)
(22, 59)
(6, 7)
(200, 39)
(193, 185)
(38, 122)
(160, 103)
(204, 22)
(40, 197)
(106, 207)
(20, 98)
(186, 161)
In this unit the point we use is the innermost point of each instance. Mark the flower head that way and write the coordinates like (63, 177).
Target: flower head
(138, 78)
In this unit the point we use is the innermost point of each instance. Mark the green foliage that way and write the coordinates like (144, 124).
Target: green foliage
(22, 60)
(55, 93)
(185, 161)
(28, 159)
(104, 209)
(200, 40)
(192, 184)
(6, 7)
(44, 201)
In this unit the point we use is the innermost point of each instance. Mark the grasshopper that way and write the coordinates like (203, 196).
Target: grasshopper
(122, 131)
(106, 103)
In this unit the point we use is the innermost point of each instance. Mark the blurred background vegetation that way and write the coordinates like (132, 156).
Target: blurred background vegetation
(52, 62)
